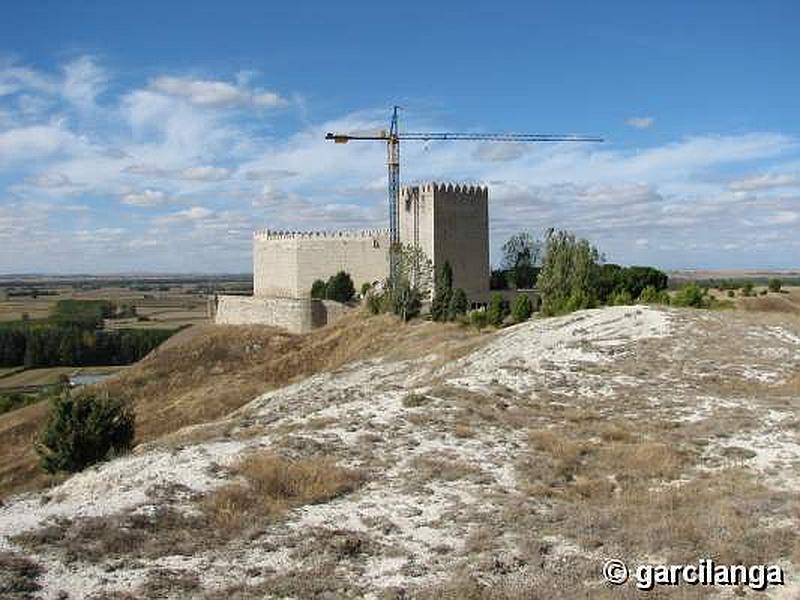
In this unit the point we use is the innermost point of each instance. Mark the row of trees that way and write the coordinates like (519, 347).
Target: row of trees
(52, 345)
(573, 277)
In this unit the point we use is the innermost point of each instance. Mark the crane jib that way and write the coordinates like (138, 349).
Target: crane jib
(393, 137)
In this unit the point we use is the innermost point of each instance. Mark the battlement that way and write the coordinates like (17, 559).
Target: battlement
(462, 190)
(271, 234)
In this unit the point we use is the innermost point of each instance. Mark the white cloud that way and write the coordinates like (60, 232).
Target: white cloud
(198, 173)
(205, 173)
(194, 213)
(84, 80)
(784, 217)
(765, 182)
(35, 142)
(204, 92)
(15, 79)
(146, 198)
(51, 180)
(267, 174)
(640, 122)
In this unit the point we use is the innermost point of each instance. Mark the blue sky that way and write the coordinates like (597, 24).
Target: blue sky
(156, 136)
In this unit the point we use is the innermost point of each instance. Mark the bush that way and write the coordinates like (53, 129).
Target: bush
(375, 303)
(82, 430)
(747, 289)
(319, 289)
(405, 300)
(498, 310)
(692, 295)
(620, 298)
(458, 304)
(578, 300)
(650, 295)
(775, 285)
(478, 319)
(443, 290)
(522, 309)
(731, 293)
(340, 288)
(365, 288)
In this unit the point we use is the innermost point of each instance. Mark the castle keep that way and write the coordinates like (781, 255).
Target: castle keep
(448, 223)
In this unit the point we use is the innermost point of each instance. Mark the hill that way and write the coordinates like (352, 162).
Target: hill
(428, 462)
(204, 372)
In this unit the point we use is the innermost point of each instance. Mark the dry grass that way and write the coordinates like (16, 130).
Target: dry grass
(98, 539)
(206, 372)
(629, 496)
(432, 467)
(272, 485)
(18, 577)
(787, 302)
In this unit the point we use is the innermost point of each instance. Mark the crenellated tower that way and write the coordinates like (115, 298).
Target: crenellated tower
(450, 223)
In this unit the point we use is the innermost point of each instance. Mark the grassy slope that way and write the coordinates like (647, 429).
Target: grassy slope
(205, 372)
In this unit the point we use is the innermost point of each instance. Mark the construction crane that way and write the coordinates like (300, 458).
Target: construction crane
(392, 137)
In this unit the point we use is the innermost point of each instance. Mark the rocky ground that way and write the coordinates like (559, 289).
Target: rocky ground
(644, 434)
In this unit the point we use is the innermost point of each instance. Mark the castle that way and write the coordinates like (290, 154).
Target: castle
(448, 223)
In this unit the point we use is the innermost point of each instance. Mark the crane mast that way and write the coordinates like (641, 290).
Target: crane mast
(393, 164)
(392, 137)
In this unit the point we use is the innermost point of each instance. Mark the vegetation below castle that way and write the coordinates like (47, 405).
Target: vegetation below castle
(72, 336)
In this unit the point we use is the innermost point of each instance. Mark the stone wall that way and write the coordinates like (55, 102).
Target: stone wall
(286, 264)
(297, 315)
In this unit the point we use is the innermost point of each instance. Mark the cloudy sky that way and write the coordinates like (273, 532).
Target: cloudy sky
(155, 137)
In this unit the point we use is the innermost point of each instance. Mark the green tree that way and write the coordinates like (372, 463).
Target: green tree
(651, 295)
(522, 308)
(497, 311)
(521, 257)
(567, 279)
(340, 288)
(319, 289)
(443, 290)
(621, 298)
(498, 280)
(692, 295)
(775, 285)
(82, 430)
(458, 304)
(405, 300)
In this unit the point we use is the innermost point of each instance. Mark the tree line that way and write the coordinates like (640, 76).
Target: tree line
(51, 345)
(73, 336)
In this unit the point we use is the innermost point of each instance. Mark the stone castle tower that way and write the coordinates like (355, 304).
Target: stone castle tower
(450, 223)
